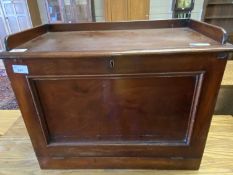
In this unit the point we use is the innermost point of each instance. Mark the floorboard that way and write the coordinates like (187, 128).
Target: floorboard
(7, 118)
(228, 75)
(17, 156)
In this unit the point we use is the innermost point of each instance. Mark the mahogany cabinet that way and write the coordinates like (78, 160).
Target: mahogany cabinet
(118, 95)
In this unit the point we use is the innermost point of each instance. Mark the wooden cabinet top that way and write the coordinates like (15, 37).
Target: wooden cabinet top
(118, 38)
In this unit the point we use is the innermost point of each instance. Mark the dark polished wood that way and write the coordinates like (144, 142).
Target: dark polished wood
(214, 32)
(13, 41)
(119, 105)
(118, 108)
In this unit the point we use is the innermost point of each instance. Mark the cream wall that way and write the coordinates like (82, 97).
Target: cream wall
(159, 9)
(99, 10)
(197, 11)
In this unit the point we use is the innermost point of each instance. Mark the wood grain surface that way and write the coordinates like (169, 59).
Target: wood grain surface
(111, 37)
(7, 118)
(117, 40)
(18, 158)
(228, 75)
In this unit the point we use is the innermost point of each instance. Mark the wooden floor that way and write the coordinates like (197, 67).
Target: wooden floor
(7, 118)
(228, 75)
(17, 156)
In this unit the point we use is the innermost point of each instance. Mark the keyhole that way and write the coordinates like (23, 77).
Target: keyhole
(111, 63)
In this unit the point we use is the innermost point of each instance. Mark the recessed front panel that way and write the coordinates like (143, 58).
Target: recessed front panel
(117, 108)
